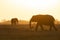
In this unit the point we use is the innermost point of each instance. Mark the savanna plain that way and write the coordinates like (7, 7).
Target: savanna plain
(23, 32)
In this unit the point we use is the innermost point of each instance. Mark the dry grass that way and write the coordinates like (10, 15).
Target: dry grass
(22, 32)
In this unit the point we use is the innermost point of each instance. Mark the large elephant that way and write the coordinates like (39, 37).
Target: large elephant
(14, 21)
(43, 20)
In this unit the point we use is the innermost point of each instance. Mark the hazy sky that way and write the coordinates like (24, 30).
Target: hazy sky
(24, 9)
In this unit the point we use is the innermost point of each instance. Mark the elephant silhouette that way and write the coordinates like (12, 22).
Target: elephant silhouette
(14, 21)
(43, 20)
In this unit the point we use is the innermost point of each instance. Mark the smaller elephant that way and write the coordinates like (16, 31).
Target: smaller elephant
(14, 21)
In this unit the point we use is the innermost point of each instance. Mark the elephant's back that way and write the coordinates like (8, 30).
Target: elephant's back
(46, 19)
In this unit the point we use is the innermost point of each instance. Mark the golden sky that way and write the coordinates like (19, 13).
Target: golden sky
(24, 9)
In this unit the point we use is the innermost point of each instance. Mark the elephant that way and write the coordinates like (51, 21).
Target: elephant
(14, 21)
(43, 20)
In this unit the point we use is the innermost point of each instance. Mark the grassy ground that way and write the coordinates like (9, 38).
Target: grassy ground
(22, 32)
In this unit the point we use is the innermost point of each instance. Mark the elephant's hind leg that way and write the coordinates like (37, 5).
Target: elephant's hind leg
(53, 27)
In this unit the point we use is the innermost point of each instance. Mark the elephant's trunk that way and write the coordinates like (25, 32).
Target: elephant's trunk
(30, 25)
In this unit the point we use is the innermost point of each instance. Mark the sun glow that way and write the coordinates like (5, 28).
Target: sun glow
(24, 9)
(37, 4)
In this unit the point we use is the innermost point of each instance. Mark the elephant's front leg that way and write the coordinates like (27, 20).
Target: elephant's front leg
(37, 27)
(42, 27)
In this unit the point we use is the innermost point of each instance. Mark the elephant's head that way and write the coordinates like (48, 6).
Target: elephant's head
(34, 18)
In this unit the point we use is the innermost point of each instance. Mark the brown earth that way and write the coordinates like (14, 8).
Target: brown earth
(23, 32)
